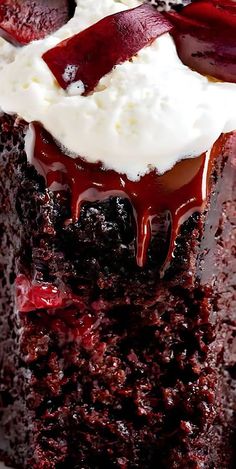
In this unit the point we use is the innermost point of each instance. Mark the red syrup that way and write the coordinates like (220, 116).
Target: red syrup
(179, 192)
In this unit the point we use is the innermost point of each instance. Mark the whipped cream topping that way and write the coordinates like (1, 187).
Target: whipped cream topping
(147, 113)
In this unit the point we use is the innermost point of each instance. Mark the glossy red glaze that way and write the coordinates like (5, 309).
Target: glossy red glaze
(205, 37)
(92, 53)
(23, 21)
(179, 192)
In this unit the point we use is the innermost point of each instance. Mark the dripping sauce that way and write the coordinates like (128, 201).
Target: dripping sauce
(179, 192)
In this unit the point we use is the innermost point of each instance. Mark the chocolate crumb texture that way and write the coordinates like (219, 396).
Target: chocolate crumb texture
(138, 371)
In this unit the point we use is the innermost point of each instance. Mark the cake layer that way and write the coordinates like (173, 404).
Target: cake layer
(119, 369)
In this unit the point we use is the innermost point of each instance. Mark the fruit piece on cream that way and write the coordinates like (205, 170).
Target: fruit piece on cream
(205, 38)
(94, 52)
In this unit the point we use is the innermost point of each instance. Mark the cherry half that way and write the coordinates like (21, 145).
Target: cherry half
(23, 21)
(92, 53)
(205, 37)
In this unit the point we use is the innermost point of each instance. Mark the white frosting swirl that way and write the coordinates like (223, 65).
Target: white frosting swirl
(147, 113)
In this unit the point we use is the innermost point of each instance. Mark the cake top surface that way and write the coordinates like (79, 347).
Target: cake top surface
(147, 113)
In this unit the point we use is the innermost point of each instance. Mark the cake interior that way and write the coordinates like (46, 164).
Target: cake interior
(110, 365)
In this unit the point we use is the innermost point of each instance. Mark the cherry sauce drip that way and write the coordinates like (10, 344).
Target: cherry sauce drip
(179, 192)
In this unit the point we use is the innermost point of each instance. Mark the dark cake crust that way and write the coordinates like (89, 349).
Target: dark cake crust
(140, 373)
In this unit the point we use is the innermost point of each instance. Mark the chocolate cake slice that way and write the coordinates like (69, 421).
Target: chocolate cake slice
(104, 364)
(118, 305)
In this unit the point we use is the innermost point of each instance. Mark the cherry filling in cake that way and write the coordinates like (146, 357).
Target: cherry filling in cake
(117, 325)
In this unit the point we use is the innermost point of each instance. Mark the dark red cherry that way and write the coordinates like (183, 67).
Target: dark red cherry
(23, 21)
(92, 53)
(31, 296)
(205, 37)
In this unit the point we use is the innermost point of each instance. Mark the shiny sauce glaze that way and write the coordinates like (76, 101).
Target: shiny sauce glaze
(179, 192)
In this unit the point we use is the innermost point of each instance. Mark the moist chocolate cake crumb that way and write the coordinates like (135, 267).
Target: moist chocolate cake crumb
(139, 371)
